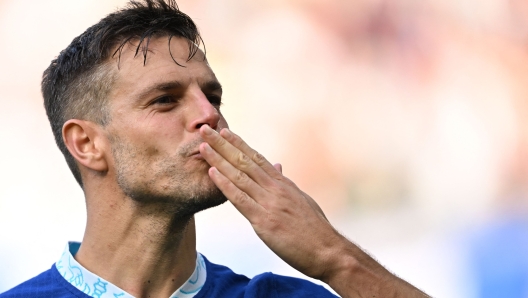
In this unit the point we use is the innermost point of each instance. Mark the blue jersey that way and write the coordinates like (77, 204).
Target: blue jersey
(220, 282)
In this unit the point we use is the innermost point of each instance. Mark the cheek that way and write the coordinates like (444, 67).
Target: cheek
(153, 136)
(151, 150)
(162, 128)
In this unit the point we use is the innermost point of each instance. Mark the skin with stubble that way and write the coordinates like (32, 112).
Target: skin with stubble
(166, 154)
(179, 196)
(153, 131)
(144, 177)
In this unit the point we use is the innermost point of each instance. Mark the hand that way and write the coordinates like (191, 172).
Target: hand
(291, 223)
(288, 221)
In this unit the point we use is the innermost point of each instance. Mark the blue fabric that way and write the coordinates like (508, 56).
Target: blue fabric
(47, 284)
(220, 282)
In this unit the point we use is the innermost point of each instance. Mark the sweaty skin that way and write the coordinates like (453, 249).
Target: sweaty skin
(291, 223)
(144, 180)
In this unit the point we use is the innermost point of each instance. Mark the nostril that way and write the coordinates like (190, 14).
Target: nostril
(212, 125)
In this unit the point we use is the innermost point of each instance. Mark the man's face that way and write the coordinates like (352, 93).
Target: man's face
(156, 110)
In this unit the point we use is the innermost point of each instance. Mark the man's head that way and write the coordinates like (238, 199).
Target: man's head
(134, 89)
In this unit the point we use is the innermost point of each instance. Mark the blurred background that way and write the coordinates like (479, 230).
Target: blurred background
(406, 120)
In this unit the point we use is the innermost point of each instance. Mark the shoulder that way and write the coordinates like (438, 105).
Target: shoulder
(47, 284)
(223, 282)
(273, 285)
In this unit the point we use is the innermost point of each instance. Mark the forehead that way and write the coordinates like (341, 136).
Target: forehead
(136, 68)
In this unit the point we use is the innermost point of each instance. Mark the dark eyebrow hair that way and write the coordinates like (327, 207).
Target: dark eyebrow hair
(208, 86)
(159, 87)
(211, 85)
(166, 86)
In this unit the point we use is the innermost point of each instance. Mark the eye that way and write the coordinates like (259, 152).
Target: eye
(215, 100)
(164, 100)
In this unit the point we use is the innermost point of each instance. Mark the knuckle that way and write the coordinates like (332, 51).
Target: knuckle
(243, 160)
(241, 177)
(258, 158)
(241, 197)
(273, 224)
(282, 192)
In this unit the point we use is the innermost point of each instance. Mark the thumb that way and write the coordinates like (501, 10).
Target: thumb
(278, 167)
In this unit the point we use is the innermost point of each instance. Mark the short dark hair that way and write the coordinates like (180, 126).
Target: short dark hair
(77, 82)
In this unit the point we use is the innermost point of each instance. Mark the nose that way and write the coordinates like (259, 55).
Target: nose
(200, 111)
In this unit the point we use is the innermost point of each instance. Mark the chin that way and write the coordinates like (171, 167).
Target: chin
(178, 199)
(199, 201)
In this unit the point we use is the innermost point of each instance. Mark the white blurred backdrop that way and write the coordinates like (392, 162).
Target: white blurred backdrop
(406, 120)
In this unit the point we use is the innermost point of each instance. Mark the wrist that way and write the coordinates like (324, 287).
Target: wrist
(342, 262)
(353, 273)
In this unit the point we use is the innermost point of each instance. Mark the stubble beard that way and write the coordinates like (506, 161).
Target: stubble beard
(182, 192)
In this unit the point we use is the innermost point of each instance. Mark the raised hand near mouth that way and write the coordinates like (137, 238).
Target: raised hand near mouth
(291, 223)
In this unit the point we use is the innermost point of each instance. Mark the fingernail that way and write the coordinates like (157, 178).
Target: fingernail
(213, 171)
(207, 148)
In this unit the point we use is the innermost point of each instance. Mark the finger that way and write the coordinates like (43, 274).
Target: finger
(242, 202)
(234, 156)
(278, 167)
(258, 158)
(239, 178)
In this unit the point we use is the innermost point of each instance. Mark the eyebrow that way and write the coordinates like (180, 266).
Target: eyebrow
(208, 86)
(159, 87)
(211, 85)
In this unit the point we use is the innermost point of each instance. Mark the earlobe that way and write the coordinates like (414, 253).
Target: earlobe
(85, 142)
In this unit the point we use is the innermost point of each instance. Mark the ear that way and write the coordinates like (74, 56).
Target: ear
(86, 142)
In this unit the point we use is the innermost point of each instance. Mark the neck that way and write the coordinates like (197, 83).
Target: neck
(144, 252)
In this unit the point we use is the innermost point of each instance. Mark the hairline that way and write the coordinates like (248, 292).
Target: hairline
(106, 71)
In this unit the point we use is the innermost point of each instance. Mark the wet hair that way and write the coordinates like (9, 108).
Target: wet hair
(77, 82)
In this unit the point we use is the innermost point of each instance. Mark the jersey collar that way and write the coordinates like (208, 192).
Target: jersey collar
(97, 287)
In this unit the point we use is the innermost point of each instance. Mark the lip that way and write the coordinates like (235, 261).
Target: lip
(196, 154)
